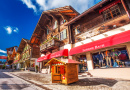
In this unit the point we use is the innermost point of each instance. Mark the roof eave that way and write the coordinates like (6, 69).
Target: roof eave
(87, 11)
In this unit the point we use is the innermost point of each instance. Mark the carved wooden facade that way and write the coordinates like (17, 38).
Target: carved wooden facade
(27, 51)
(11, 52)
(51, 32)
(93, 22)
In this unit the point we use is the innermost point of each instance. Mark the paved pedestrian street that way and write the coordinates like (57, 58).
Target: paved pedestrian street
(11, 82)
(84, 83)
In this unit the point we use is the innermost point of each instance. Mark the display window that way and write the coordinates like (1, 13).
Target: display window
(83, 65)
(117, 57)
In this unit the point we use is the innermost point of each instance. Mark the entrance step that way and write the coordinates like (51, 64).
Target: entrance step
(85, 74)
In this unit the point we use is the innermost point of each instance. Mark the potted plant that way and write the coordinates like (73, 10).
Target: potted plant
(36, 67)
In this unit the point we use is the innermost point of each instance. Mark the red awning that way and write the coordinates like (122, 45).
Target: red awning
(70, 61)
(46, 57)
(63, 52)
(109, 6)
(102, 43)
(3, 57)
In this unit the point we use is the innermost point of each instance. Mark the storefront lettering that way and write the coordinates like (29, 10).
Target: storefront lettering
(94, 47)
(57, 55)
(88, 49)
(100, 46)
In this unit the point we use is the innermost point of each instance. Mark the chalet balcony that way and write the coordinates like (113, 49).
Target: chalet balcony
(25, 56)
(10, 58)
(97, 27)
(50, 44)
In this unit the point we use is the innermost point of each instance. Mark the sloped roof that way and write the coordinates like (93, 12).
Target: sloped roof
(11, 48)
(86, 12)
(66, 11)
(22, 45)
(64, 61)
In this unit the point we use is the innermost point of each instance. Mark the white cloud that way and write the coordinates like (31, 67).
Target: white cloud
(11, 29)
(2, 51)
(29, 4)
(79, 5)
(16, 30)
(41, 5)
(8, 29)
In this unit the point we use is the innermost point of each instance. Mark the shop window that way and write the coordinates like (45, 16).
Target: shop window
(63, 34)
(111, 12)
(83, 65)
(111, 58)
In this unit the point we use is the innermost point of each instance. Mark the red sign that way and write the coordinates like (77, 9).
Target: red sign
(3, 57)
(109, 6)
(63, 77)
(63, 52)
(102, 43)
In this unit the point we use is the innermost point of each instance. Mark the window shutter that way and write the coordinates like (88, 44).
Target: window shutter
(55, 25)
(64, 34)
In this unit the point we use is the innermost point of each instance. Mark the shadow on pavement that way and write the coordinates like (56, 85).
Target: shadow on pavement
(94, 82)
(3, 75)
(7, 86)
(6, 70)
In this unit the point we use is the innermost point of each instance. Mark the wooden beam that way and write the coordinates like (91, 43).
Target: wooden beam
(63, 16)
(36, 36)
(52, 15)
(43, 27)
(47, 16)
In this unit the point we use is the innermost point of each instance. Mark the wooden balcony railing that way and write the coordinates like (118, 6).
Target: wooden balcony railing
(10, 58)
(25, 56)
(51, 44)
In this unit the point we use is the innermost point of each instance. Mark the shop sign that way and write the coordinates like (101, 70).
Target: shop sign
(94, 47)
(57, 55)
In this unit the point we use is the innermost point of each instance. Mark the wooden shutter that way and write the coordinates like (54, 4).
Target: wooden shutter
(64, 34)
(62, 70)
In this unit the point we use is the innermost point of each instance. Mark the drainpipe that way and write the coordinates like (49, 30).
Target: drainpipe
(122, 1)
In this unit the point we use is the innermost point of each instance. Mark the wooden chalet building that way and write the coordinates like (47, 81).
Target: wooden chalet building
(104, 28)
(52, 36)
(11, 52)
(16, 61)
(26, 55)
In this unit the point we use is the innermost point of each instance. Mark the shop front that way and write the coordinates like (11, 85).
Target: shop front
(112, 51)
(44, 59)
(112, 57)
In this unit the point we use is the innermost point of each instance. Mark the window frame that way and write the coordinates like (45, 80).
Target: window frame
(110, 12)
(62, 37)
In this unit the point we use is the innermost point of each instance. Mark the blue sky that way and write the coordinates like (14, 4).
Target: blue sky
(18, 18)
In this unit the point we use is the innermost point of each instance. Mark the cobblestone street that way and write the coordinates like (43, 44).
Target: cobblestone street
(84, 83)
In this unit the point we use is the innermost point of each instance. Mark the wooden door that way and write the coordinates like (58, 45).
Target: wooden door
(56, 78)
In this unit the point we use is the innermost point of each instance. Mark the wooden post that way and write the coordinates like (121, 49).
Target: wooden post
(128, 49)
(122, 1)
(90, 64)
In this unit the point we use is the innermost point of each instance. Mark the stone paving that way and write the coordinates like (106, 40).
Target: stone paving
(84, 83)
(118, 73)
(11, 82)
